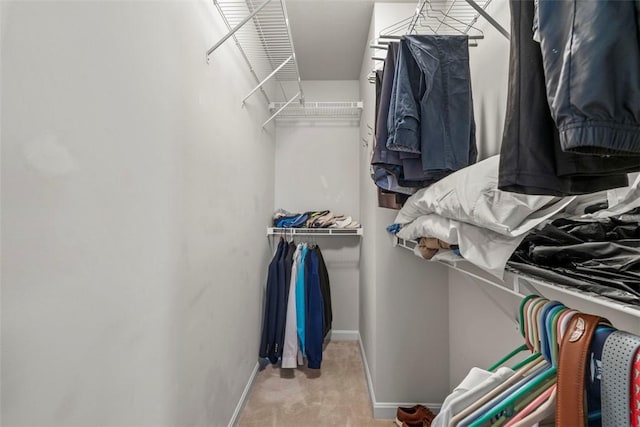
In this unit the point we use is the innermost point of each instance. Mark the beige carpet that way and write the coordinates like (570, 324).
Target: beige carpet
(336, 395)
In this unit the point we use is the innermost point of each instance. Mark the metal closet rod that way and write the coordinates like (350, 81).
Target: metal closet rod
(397, 37)
(386, 47)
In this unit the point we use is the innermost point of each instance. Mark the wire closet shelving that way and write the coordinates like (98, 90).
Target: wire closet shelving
(262, 34)
(276, 231)
(260, 29)
(520, 285)
(318, 110)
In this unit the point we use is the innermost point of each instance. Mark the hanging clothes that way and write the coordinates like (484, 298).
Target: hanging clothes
(431, 111)
(425, 127)
(268, 338)
(387, 167)
(580, 372)
(290, 348)
(594, 114)
(314, 312)
(297, 313)
(325, 289)
(531, 157)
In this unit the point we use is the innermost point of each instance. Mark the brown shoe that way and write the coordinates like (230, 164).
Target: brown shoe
(426, 422)
(414, 416)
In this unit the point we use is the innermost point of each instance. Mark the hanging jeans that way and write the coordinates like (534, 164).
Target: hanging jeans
(387, 167)
(431, 111)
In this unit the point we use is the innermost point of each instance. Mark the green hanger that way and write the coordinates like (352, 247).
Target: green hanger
(523, 347)
(534, 384)
(500, 362)
(531, 358)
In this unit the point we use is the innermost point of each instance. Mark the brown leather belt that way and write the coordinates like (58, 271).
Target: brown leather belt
(570, 405)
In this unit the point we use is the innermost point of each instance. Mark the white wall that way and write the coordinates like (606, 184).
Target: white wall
(368, 202)
(125, 158)
(480, 332)
(489, 63)
(316, 170)
(404, 321)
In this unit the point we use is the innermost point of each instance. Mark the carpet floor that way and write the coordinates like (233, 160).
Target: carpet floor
(335, 395)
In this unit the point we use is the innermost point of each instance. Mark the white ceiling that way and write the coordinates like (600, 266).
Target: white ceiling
(329, 37)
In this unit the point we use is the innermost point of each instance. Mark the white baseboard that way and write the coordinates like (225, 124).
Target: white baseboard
(244, 396)
(345, 335)
(386, 410)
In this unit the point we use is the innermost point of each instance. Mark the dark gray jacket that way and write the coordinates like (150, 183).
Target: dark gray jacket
(591, 57)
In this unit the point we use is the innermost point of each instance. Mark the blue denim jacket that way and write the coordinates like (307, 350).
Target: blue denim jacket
(431, 110)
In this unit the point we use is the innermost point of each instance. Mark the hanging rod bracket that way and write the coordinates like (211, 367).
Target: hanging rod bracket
(281, 108)
(237, 27)
(273, 73)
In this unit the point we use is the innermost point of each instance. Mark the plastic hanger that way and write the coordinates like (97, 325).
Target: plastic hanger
(523, 347)
(508, 403)
(532, 364)
(532, 322)
(536, 411)
(546, 317)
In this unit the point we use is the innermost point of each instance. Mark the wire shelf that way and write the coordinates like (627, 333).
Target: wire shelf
(261, 31)
(318, 110)
(271, 231)
(519, 284)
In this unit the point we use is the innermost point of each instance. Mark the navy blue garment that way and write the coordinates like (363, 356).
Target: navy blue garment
(403, 121)
(593, 380)
(281, 305)
(315, 312)
(381, 156)
(267, 340)
(387, 167)
(325, 289)
(432, 108)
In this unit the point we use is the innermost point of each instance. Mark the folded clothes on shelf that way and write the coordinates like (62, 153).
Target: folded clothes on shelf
(313, 219)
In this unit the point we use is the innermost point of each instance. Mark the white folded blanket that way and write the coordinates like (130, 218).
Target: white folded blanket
(471, 195)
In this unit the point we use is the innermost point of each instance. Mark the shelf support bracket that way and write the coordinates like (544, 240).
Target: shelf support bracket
(237, 27)
(489, 18)
(281, 108)
(273, 73)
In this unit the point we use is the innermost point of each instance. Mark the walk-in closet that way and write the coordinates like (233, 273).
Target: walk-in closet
(320, 213)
